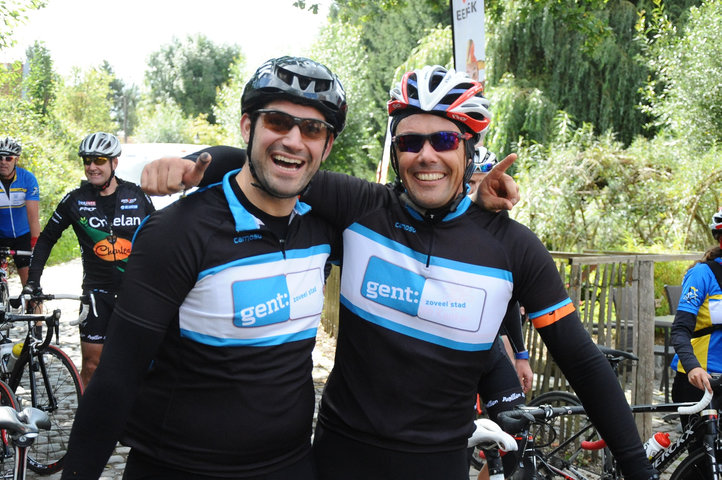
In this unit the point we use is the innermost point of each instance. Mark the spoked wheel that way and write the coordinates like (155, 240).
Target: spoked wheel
(694, 467)
(555, 437)
(56, 391)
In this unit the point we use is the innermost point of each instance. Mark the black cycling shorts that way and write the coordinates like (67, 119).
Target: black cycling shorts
(340, 457)
(142, 467)
(94, 327)
(20, 243)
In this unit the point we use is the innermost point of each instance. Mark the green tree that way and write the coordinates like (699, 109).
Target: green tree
(13, 14)
(124, 100)
(686, 95)
(39, 83)
(189, 72)
(83, 105)
(227, 109)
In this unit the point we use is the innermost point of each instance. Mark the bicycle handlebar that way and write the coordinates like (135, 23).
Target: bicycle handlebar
(715, 383)
(490, 435)
(27, 422)
(9, 251)
(84, 300)
(519, 419)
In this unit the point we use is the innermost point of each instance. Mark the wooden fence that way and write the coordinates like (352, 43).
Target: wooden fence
(614, 296)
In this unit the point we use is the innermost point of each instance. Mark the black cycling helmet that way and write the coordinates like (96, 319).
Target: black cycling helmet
(100, 144)
(300, 80)
(10, 146)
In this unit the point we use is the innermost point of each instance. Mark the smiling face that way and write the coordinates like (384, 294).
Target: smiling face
(432, 179)
(284, 160)
(99, 174)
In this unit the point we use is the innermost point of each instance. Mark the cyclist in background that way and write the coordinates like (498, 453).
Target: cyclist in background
(696, 333)
(105, 212)
(19, 205)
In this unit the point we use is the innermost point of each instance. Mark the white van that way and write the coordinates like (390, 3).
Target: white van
(134, 156)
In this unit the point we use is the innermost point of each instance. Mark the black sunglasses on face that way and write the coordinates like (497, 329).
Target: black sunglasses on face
(96, 160)
(282, 122)
(440, 141)
(8, 158)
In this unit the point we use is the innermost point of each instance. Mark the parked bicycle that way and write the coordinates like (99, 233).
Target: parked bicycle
(20, 430)
(562, 435)
(701, 463)
(42, 376)
(5, 254)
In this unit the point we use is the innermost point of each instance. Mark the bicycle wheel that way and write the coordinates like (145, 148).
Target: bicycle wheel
(561, 438)
(7, 451)
(53, 386)
(694, 467)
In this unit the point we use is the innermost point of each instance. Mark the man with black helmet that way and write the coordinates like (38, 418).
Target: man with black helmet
(19, 205)
(104, 212)
(206, 371)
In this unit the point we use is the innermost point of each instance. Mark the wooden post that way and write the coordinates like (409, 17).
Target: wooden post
(643, 386)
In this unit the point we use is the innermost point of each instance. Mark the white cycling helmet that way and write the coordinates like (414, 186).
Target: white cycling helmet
(100, 144)
(10, 146)
(484, 160)
(716, 225)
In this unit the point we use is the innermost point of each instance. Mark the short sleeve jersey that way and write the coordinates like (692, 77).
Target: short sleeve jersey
(13, 210)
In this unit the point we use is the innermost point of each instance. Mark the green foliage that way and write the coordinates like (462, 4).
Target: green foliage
(39, 84)
(165, 123)
(124, 100)
(356, 150)
(12, 14)
(189, 72)
(582, 56)
(83, 105)
(227, 109)
(686, 97)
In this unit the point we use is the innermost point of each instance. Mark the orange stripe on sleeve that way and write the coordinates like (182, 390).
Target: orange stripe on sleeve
(552, 317)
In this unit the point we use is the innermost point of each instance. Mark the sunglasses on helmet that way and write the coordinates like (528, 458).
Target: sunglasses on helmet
(440, 141)
(96, 160)
(8, 158)
(282, 123)
(483, 167)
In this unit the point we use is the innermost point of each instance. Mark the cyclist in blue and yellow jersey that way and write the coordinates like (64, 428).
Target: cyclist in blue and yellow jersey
(19, 205)
(696, 333)
(104, 212)
(426, 280)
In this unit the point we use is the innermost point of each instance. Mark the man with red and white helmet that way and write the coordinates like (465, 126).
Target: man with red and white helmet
(427, 278)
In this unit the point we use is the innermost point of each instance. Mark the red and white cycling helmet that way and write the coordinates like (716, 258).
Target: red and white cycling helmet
(448, 93)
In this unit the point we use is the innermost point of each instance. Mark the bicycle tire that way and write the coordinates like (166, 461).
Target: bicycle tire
(550, 437)
(47, 453)
(693, 467)
(7, 451)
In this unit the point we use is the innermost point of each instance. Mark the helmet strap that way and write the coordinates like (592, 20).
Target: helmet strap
(104, 186)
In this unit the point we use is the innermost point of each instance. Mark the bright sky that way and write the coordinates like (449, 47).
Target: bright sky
(125, 32)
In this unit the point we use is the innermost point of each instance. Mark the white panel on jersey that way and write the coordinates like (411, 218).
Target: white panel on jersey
(450, 303)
